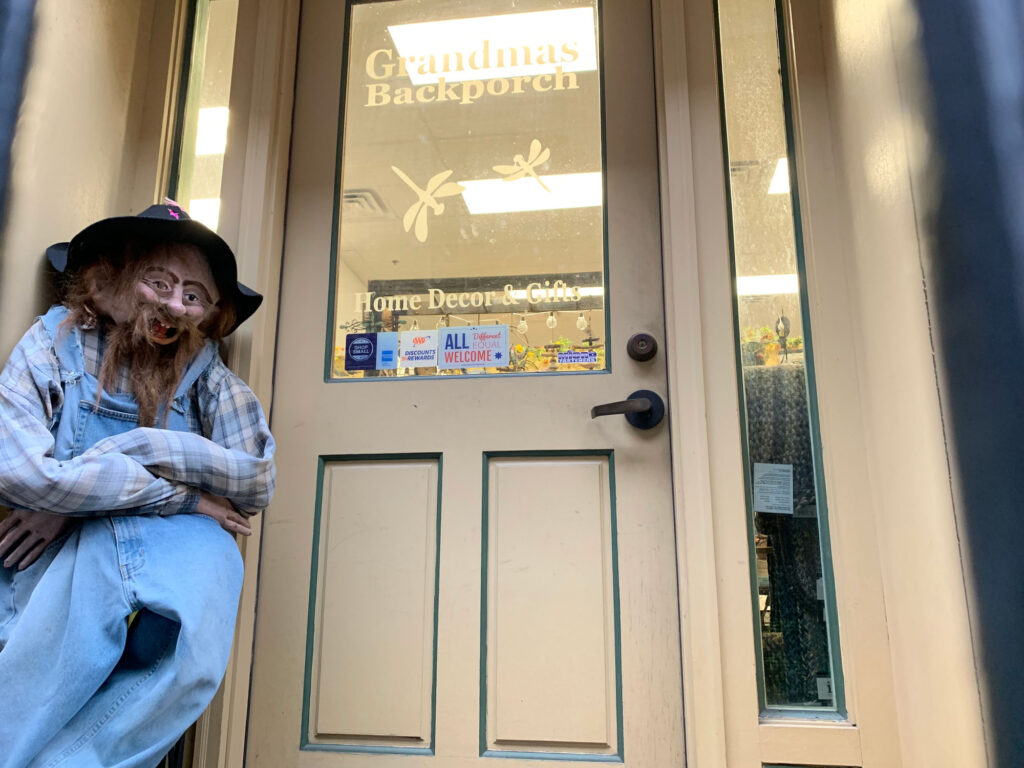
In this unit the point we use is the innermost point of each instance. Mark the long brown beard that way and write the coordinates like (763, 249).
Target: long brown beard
(154, 371)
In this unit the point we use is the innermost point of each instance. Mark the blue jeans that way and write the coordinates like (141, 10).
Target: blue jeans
(78, 687)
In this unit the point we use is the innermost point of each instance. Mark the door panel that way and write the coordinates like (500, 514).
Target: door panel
(464, 567)
(550, 606)
(375, 587)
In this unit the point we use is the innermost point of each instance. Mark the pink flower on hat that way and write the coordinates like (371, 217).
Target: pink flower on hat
(175, 213)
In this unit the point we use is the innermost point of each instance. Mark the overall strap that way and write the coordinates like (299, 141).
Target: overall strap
(67, 343)
(195, 369)
(76, 385)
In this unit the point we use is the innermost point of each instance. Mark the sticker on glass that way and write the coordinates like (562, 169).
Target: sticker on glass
(371, 351)
(360, 351)
(387, 351)
(419, 349)
(565, 358)
(473, 346)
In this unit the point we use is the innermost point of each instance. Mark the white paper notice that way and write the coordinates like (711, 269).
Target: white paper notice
(825, 688)
(773, 488)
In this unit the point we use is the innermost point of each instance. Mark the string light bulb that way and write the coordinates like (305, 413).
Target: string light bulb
(581, 322)
(415, 325)
(442, 321)
(552, 321)
(522, 327)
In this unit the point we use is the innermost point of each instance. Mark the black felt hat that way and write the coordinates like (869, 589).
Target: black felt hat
(166, 223)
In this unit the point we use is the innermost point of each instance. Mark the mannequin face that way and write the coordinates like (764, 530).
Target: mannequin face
(174, 288)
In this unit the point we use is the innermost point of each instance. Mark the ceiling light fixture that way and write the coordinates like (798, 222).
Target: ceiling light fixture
(212, 131)
(206, 210)
(567, 190)
(780, 179)
(767, 285)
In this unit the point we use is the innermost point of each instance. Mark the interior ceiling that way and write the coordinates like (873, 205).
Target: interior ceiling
(468, 139)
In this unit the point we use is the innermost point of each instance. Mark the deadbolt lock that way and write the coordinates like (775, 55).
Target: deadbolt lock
(641, 347)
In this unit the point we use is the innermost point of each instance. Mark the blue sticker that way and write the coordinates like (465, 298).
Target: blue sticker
(387, 351)
(360, 351)
(577, 357)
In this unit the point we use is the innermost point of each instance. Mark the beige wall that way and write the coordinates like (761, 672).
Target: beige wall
(879, 106)
(74, 152)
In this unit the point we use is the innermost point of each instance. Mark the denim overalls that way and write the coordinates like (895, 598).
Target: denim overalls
(77, 688)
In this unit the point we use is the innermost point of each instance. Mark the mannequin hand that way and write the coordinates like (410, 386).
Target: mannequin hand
(24, 535)
(220, 509)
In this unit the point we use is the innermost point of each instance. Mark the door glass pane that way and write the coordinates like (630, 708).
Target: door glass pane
(470, 204)
(792, 580)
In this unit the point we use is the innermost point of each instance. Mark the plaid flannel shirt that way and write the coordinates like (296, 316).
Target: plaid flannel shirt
(142, 471)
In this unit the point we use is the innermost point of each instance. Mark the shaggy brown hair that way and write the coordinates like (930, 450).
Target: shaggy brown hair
(154, 370)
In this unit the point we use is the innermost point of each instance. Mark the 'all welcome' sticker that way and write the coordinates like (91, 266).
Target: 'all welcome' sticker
(473, 346)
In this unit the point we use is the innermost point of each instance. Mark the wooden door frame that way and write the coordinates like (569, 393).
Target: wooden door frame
(853, 68)
(256, 168)
(722, 724)
(254, 189)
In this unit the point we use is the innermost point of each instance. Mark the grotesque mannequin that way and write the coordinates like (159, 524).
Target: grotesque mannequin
(129, 454)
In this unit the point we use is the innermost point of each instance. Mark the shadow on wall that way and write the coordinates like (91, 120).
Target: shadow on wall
(46, 286)
(16, 25)
(978, 101)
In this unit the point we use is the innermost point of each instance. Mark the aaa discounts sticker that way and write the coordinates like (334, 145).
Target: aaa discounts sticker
(419, 349)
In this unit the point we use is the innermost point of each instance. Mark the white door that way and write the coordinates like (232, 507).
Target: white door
(460, 563)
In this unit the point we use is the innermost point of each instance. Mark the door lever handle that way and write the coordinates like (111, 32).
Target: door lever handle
(633, 405)
(643, 409)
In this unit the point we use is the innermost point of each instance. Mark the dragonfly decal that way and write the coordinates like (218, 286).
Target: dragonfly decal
(427, 200)
(522, 167)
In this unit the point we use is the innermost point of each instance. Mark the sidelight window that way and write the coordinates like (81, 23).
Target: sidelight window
(791, 580)
(201, 125)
